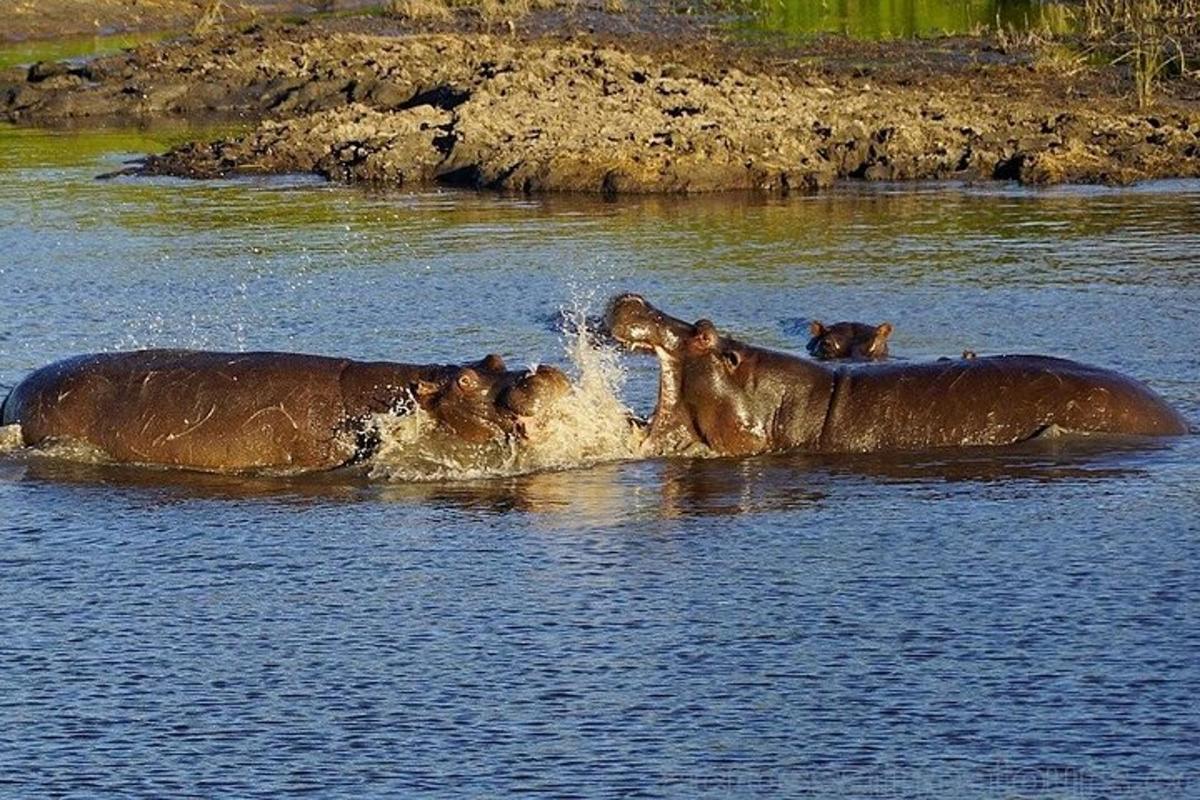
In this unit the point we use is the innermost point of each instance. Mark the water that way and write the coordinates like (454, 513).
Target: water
(71, 48)
(893, 19)
(983, 624)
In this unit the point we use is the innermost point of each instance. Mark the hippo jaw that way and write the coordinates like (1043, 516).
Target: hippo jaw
(701, 399)
(716, 393)
(639, 326)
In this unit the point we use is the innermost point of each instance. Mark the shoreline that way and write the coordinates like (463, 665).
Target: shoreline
(366, 99)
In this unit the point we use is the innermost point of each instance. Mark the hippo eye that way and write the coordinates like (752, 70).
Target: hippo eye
(467, 380)
(732, 358)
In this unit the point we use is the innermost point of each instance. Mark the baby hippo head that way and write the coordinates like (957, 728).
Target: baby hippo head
(853, 340)
(528, 398)
(480, 405)
(535, 391)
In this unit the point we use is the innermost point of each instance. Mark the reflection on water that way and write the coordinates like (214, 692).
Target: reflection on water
(627, 492)
(892, 19)
(72, 48)
(982, 621)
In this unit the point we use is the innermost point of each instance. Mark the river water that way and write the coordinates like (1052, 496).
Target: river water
(979, 624)
(894, 19)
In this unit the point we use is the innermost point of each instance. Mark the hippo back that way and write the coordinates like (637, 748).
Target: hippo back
(987, 401)
(203, 410)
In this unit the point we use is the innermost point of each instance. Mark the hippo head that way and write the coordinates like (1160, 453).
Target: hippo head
(481, 402)
(638, 325)
(530, 394)
(854, 340)
(461, 404)
(713, 390)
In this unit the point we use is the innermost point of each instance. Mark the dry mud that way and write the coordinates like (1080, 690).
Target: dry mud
(553, 114)
(22, 20)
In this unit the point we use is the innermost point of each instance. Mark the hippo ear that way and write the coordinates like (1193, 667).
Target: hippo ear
(878, 346)
(423, 390)
(492, 363)
(706, 336)
(816, 328)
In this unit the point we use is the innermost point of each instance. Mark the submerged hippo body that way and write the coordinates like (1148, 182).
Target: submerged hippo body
(246, 411)
(738, 399)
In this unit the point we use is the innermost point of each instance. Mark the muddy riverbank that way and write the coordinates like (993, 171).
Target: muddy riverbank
(25, 20)
(368, 101)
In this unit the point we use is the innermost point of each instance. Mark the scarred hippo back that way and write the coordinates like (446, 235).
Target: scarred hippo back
(987, 401)
(281, 412)
(205, 410)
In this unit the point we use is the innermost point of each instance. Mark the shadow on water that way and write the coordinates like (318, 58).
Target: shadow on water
(1049, 460)
(627, 491)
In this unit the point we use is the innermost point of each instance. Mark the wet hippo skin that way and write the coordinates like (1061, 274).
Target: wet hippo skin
(739, 399)
(246, 411)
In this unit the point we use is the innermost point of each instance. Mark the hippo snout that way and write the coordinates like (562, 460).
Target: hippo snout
(623, 310)
(633, 322)
(626, 318)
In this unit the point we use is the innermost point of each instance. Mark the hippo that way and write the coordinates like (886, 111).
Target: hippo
(262, 411)
(849, 340)
(732, 398)
(530, 398)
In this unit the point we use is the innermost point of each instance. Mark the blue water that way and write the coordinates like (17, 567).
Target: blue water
(983, 624)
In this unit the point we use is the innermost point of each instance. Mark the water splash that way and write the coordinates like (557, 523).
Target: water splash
(10, 438)
(65, 449)
(589, 425)
(414, 448)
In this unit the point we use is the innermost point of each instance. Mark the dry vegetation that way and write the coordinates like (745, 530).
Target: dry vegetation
(1155, 37)
(212, 16)
(488, 11)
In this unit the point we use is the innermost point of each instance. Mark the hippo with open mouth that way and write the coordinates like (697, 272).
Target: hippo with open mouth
(737, 399)
(264, 411)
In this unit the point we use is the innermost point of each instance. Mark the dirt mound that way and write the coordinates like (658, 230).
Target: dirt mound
(552, 115)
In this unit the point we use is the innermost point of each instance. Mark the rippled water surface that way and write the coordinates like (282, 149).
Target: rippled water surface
(990, 623)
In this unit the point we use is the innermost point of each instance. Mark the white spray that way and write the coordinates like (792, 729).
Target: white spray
(589, 425)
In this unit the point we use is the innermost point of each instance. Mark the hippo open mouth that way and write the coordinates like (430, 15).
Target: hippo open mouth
(735, 398)
(640, 326)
